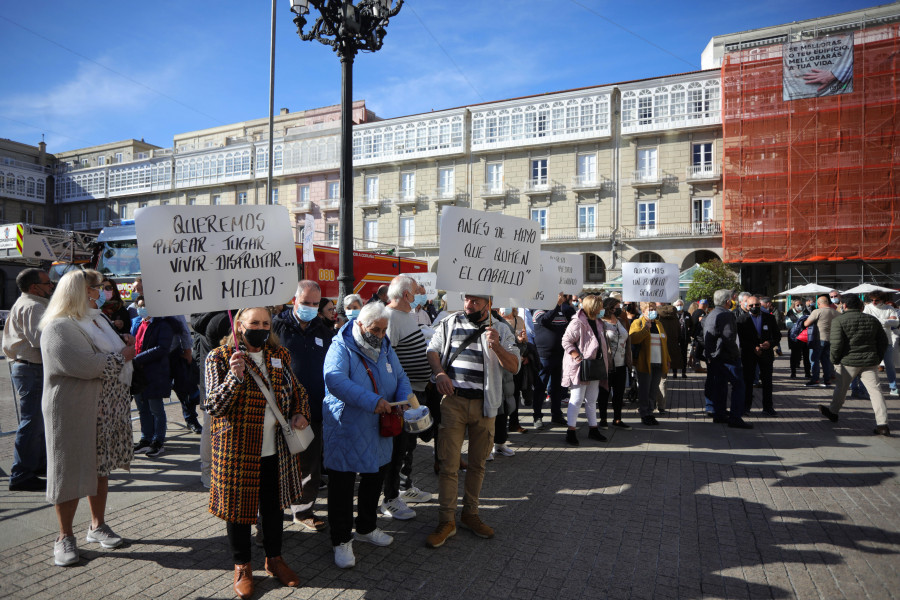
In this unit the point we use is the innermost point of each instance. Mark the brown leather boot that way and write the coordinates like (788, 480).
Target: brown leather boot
(276, 567)
(243, 581)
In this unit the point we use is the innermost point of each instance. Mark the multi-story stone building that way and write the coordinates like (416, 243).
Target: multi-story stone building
(616, 173)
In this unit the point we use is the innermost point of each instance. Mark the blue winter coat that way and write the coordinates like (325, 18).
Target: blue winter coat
(154, 356)
(350, 426)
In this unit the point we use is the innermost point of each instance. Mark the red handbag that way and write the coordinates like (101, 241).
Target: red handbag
(389, 424)
(803, 336)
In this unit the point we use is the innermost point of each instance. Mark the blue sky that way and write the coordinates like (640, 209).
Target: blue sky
(85, 73)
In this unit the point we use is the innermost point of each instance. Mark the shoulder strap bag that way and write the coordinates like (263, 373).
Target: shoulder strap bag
(389, 424)
(297, 440)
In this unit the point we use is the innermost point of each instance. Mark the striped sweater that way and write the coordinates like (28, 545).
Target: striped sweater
(408, 342)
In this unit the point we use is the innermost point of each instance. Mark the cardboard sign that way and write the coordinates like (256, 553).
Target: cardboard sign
(489, 253)
(309, 229)
(560, 272)
(428, 281)
(206, 258)
(649, 282)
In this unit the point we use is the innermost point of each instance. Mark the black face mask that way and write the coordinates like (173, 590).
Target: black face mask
(475, 317)
(256, 337)
(618, 311)
(754, 310)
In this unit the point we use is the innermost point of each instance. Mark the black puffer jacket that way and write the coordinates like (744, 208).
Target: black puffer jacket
(857, 340)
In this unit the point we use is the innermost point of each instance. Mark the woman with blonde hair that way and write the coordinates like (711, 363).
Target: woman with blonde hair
(86, 406)
(253, 472)
(583, 340)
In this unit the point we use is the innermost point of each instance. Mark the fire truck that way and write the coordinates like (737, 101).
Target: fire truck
(116, 255)
(26, 245)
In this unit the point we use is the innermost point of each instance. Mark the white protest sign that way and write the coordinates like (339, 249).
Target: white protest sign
(309, 229)
(428, 281)
(560, 272)
(205, 258)
(488, 253)
(649, 282)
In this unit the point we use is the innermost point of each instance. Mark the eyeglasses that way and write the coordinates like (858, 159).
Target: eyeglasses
(752, 305)
(97, 287)
(108, 287)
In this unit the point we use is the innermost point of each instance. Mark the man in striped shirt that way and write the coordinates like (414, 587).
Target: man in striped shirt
(467, 356)
(405, 336)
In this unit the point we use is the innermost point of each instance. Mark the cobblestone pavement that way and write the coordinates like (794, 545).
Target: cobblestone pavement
(796, 508)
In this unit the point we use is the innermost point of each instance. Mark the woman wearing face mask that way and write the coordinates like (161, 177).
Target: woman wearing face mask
(352, 305)
(584, 338)
(326, 312)
(799, 350)
(652, 360)
(86, 406)
(253, 472)
(620, 362)
(110, 303)
(362, 376)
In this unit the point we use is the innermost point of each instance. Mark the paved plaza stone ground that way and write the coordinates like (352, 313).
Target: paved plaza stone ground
(796, 508)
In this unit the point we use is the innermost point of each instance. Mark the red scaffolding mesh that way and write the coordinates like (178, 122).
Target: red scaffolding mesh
(812, 179)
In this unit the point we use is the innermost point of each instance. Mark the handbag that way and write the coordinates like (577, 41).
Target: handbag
(591, 369)
(803, 336)
(389, 424)
(297, 440)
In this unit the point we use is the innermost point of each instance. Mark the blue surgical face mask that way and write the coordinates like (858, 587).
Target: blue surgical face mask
(306, 313)
(601, 313)
(142, 312)
(101, 300)
(353, 313)
(679, 307)
(652, 315)
(420, 300)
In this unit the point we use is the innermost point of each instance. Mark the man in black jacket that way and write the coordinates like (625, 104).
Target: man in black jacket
(723, 358)
(307, 338)
(549, 327)
(759, 335)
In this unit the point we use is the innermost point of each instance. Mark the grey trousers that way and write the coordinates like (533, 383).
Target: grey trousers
(869, 378)
(648, 387)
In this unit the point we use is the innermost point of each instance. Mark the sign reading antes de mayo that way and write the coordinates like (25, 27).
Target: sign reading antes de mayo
(205, 258)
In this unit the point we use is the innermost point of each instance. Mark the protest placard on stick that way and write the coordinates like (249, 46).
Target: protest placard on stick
(205, 258)
(488, 253)
(428, 281)
(560, 272)
(649, 282)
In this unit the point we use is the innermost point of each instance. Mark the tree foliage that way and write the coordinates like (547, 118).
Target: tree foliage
(711, 276)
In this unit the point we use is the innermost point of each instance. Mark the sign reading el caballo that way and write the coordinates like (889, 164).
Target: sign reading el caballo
(488, 253)
(204, 258)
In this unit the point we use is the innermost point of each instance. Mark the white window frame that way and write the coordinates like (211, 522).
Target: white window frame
(407, 231)
(304, 194)
(542, 217)
(645, 210)
(647, 164)
(371, 190)
(587, 221)
(705, 163)
(370, 232)
(446, 182)
(120, 157)
(539, 173)
(333, 190)
(101, 160)
(408, 185)
(192, 201)
(332, 234)
(241, 198)
(274, 195)
(493, 176)
(586, 168)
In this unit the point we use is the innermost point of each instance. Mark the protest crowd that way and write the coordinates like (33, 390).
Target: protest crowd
(364, 375)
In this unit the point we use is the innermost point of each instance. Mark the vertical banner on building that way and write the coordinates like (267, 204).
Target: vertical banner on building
(819, 67)
(308, 230)
(489, 253)
(206, 258)
(649, 282)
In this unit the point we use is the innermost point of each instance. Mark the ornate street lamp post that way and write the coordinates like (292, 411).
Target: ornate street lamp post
(348, 28)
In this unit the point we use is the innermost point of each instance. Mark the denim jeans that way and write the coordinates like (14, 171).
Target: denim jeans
(889, 370)
(30, 451)
(551, 384)
(820, 355)
(153, 418)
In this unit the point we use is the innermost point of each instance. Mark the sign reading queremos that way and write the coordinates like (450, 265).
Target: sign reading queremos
(205, 258)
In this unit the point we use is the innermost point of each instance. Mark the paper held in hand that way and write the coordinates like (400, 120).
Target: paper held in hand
(649, 282)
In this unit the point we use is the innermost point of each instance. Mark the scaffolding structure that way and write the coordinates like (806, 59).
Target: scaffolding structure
(812, 179)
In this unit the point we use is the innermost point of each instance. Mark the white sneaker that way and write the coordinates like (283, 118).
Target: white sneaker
(104, 536)
(490, 456)
(894, 392)
(414, 494)
(65, 551)
(343, 555)
(397, 509)
(504, 450)
(376, 537)
(538, 424)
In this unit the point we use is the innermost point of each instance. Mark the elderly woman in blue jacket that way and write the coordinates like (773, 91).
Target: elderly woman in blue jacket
(362, 376)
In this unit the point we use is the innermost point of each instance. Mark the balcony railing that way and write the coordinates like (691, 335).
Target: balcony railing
(646, 177)
(702, 172)
(590, 182)
(574, 234)
(405, 199)
(303, 206)
(671, 230)
(541, 185)
(372, 200)
(82, 226)
(98, 224)
(494, 190)
(66, 226)
(331, 203)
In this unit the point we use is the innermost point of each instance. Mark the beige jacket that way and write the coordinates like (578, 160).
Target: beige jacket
(21, 338)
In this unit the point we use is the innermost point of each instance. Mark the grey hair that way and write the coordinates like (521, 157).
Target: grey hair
(306, 285)
(677, 301)
(721, 297)
(400, 284)
(741, 296)
(350, 299)
(374, 311)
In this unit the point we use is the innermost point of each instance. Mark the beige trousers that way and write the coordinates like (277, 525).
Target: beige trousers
(869, 378)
